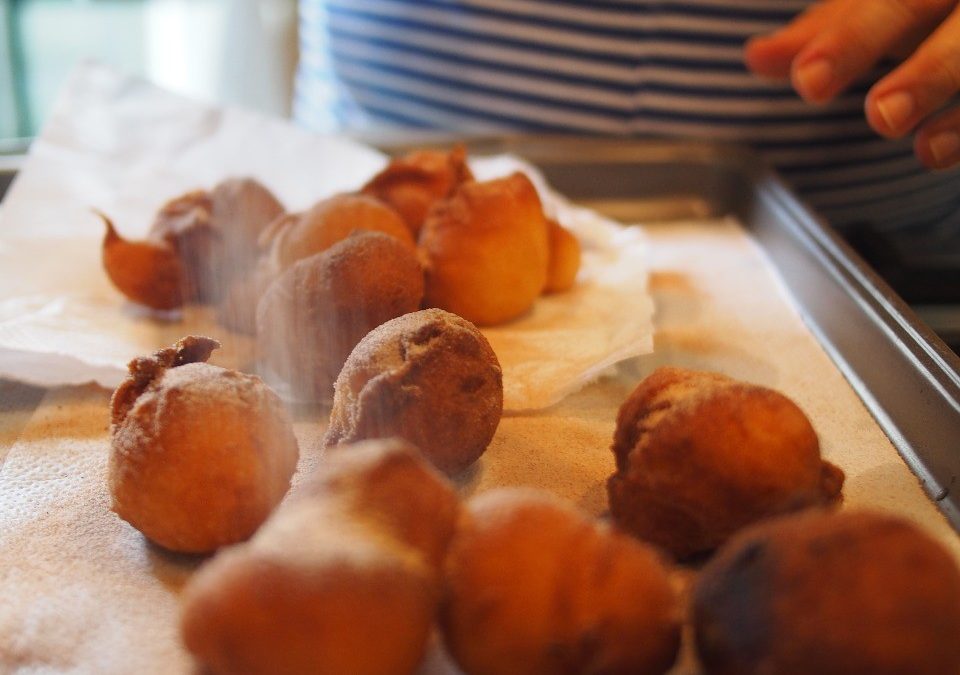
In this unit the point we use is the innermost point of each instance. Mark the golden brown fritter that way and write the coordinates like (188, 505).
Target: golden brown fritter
(411, 184)
(241, 209)
(198, 244)
(533, 587)
(851, 593)
(185, 224)
(199, 454)
(146, 272)
(315, 313)
(564, 258)
(486, 250)
(344, 579)
(237, 309)
(300, 235)
(216, 233)
(700, 455)
(429, 377)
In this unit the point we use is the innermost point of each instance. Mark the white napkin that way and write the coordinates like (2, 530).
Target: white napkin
(125, 147)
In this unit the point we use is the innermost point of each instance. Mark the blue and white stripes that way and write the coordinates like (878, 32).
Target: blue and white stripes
(666, 68)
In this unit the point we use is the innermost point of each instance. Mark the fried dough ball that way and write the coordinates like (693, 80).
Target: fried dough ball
(316, 312)
(486, 250)
(216, 232)
(852, 593)
(300, 235)
(199, 455)
(564, 258)
(237, 310)
(700, 455)
(241, 209)
(411, 184)
(197, 245)
(185, 224)
(344, 578)
(532, 587)
(146, 272)
(429, 377)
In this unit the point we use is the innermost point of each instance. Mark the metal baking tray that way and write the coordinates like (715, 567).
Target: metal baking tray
(904, 373)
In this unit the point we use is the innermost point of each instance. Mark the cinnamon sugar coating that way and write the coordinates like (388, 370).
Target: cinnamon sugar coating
(343, 579)
(199, 454)
(429, 377)
(313, 315)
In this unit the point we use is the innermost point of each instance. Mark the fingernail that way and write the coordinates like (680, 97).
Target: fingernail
(896, 109)
(945, 147)
(813, 79)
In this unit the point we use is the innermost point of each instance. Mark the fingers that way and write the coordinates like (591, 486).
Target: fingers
(920, 86)
(862, 33)
(937, 144)
(771, 55)
(838, 41)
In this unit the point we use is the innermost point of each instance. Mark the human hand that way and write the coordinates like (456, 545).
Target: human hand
(835, 42)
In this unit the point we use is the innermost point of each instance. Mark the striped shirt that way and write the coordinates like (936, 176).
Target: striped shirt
(660, 68)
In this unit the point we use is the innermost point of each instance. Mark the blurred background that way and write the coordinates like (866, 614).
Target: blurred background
(244, 52)
(240, 52)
